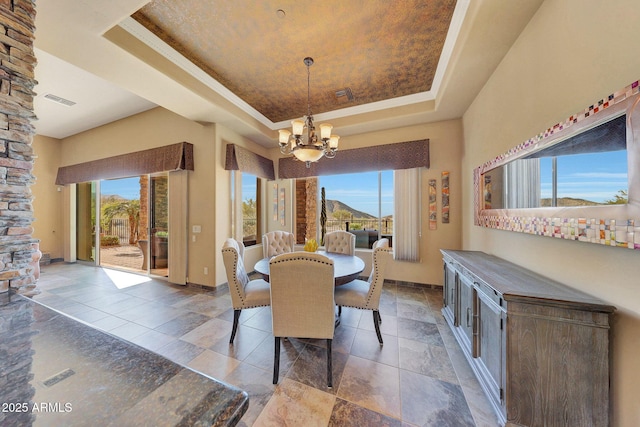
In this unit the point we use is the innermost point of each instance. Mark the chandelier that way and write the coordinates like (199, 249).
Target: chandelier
(310, 148)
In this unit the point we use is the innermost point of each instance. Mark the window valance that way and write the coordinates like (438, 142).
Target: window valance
(162, 159)
(241, 159)
(402, 155)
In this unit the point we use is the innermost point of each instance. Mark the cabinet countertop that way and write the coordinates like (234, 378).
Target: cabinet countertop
(63, 372)
(515, 282)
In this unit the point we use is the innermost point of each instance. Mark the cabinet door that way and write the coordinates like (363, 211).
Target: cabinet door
(466, 312)
(491, 347)
(449, 295)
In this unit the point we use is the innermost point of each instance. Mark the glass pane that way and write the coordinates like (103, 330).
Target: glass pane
(119, 223)
(357, 203)
(86, 221)
(249, 209)
(159, 223)
(592, 179)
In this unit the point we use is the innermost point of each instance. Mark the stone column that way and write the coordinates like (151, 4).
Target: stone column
(19, 251)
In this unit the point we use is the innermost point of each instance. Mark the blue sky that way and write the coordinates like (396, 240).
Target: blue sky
(595, 176)
(360, 191)
(129, 188)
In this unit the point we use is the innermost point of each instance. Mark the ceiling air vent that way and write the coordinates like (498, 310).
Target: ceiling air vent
(346, 92)
(59, 100)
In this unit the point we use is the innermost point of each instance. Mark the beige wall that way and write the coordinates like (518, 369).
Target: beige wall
(572, 54)
(156, 128)
(48, 197)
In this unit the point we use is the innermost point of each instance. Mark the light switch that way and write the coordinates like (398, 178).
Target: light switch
(197, 229)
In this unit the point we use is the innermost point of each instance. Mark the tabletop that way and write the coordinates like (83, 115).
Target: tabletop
(345, 267)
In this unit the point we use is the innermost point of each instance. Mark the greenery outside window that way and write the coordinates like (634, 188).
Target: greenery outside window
(251, 208)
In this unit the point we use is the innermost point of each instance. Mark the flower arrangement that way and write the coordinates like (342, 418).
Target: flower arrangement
(311, 245)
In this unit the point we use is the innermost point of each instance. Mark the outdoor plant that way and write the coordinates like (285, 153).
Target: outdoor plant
(124, 208)
(109, 241)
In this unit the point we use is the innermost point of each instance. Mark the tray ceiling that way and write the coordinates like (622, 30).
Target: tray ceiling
(376, 50)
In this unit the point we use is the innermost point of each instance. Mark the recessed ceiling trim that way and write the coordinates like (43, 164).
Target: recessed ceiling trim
(459, 13)
(140, 32)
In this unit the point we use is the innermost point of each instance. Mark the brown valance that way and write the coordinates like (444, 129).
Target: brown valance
(162, 159)
(402, 155)
(241, 159)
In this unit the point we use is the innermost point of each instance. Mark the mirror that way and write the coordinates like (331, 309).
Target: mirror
(573, 181)
(587, 169)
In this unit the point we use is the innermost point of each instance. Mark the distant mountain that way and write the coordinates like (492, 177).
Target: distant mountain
(336, 205)
(569, 201)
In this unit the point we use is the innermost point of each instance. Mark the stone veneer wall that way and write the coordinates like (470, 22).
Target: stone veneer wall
(19, 251)
(306, 209)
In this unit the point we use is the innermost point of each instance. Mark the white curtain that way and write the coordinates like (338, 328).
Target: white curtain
(406, 215)
(522, 184)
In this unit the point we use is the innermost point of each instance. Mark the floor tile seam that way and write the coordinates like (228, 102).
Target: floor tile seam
(404, 423)
(368, 408)
(458, 384)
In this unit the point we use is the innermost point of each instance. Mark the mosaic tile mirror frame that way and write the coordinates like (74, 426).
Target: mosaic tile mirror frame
(608, 126)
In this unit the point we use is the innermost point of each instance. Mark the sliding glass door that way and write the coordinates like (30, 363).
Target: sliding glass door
(159, 224)
(86, 226)
(128, 220)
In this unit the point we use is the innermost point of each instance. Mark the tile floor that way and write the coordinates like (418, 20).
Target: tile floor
(418, 378)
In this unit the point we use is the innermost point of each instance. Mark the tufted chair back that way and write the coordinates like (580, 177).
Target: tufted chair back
(277, 242)
(244, 293)
(382, 243)
(302, 304)
(341, 242)
(236, 274)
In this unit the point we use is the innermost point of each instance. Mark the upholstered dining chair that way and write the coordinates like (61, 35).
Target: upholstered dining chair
(302, 304)
(244, 293)
(341, 242)
(365, 295)
(277, 242)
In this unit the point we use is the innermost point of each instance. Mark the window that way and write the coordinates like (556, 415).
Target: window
(361, 203)
(250, 197)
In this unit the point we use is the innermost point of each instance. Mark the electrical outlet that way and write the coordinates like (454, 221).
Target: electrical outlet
(206, 270)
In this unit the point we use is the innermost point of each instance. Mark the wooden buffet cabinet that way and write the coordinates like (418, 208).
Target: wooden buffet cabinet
(539, 349)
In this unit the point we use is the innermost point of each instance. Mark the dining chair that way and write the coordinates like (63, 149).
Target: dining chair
(277, 242)
(341, 242)
(302, 304)
(365, 295)
(244, 293)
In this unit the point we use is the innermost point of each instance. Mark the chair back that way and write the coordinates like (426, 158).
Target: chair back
(341, 242)
(302, 290)
(236, 274)
(276, 243)
(381, 256)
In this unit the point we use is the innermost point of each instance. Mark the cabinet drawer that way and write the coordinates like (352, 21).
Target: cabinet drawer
(490, 293)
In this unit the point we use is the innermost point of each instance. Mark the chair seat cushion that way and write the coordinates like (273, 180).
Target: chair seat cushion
(257, 294)
(353, 294)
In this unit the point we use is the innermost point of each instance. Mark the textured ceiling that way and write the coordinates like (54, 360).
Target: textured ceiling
(377, 49)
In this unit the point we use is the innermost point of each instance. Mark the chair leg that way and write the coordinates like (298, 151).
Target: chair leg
(276, 361)
(376, 323)
(339, 310)
(236, 317)
(329, 365)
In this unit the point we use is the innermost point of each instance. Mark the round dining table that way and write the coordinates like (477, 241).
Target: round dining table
(345, 267)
